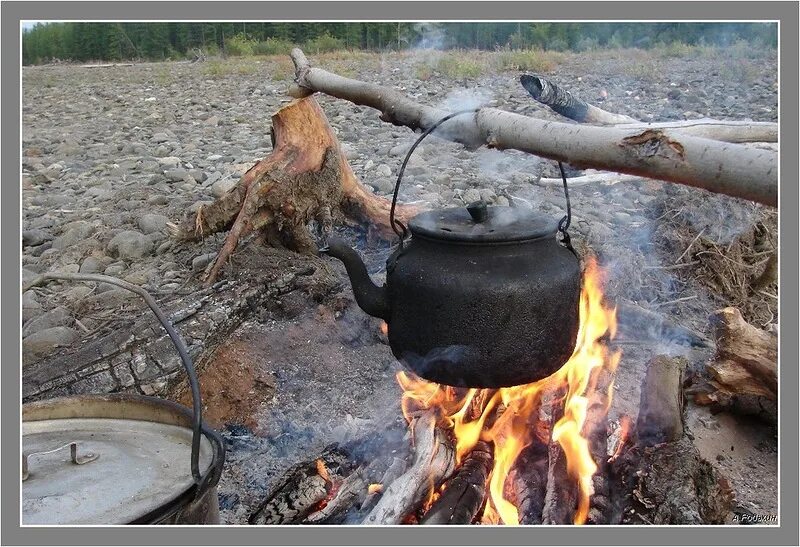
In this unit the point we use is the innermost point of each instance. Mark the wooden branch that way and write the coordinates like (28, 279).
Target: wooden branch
(434, 460)
(661, 402)
(464, 494)
(529, 481)
(725, 168)
(566, 104)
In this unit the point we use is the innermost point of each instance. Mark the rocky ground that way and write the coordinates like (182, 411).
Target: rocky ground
(110, 155)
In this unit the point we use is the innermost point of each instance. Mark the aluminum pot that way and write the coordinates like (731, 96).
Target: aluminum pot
(116, 459)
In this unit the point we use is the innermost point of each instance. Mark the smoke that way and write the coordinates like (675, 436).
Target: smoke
(431, 36)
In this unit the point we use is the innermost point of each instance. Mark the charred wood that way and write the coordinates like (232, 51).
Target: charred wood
(464, 494)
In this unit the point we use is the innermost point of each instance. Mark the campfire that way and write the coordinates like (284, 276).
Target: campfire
(509, 420)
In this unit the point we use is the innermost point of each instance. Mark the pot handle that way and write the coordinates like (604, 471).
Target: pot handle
(197, 406)
(402, 231)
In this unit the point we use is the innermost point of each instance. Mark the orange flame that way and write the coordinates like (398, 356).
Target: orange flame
(509, 417)
(375, 488)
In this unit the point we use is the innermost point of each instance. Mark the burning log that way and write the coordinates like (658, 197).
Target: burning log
(662, 154)
(566, 104)
(744, 371)
(530, 482)
(669, 482)
(434, 460)
(304, 486)
(464, 494)
(306, 178)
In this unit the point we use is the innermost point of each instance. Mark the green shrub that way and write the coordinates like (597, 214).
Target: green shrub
(239, 46)
(323, 43)
(272, 46)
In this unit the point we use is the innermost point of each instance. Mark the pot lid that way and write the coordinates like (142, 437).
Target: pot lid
(122, 469)
(479, 223)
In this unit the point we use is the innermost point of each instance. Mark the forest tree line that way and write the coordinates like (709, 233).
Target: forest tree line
(110, 41)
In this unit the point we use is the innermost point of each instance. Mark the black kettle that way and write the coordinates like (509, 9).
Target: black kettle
(479, 296)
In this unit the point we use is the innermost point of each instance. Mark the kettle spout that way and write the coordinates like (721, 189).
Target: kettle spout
(369, 297)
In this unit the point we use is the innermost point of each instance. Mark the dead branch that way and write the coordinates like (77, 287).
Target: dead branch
(725, 168)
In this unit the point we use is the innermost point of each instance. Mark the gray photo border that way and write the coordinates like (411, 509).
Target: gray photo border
(786, 12)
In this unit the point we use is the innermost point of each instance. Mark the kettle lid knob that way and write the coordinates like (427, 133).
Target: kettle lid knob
(478, 211)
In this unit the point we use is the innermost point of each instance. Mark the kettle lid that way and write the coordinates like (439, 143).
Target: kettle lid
(479, 223)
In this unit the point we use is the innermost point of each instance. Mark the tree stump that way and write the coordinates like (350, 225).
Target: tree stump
(306, 179)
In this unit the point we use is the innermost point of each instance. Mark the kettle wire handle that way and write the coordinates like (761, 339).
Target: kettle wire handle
(197, 407)
(402, 231)
(398, 227)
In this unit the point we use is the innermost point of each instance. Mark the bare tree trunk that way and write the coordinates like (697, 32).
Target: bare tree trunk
(725, 168)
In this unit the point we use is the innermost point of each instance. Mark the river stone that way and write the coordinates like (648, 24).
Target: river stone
(57, 317)
(152, 223)
(32, 238)
(383, 170)
(169, 162)
(471, 195)
(91, 264)
(200, 262)
(31, 307)
(176, 175)
(130, 244)
(73, 233)
(222, 186)
(44, 342)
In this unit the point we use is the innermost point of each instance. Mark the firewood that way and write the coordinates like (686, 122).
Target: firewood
(465, 493)
(434, 460)
(662, 154)
(305, 178)
(304, 486)
(529, 482)
(661, 402)
(668, 481)
(744, 371)
(396, 469)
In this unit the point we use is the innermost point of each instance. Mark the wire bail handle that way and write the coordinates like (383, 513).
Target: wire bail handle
(402, 231)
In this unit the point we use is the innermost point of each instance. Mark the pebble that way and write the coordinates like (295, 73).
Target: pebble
(31, 306)
(152, 223)
(383, 170)
(32, 238)
(222, 186)
(129, 244)
(201, 261)
(44, 342)
(91, 264)
(169, 161)
(73, 233)
(57, 317)
(176, 175)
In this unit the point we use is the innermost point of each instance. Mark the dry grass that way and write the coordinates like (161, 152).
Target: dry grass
(529, 60)
(461, 64)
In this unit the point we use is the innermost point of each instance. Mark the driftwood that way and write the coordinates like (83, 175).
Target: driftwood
(744, 371)
(725, 168)
(464, 495)
(669, 482)
(566, 104)
(305, 179)
(434, 460)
